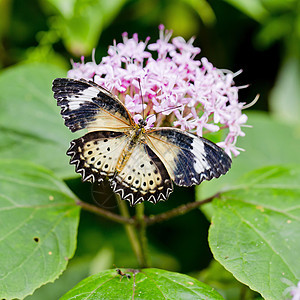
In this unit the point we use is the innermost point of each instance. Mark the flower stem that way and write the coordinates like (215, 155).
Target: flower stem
(131, 233)
(136, 227)
(141, 227)
(153, 219)
(180, 210)
(105, 213)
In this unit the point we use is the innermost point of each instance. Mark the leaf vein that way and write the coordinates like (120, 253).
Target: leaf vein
(263, 238)
(38, 246)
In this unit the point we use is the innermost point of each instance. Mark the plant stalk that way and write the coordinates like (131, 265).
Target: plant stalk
(131, 233)
(180, 210)
(136, 227)
(141, 227)
(105, 213)
(126, 219)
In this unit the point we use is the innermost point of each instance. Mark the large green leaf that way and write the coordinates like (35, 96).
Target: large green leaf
(255, 230)
(144, 284)
(38, 228)
(31, 127)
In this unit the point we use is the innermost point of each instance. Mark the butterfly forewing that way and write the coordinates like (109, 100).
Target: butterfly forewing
(188, 159)
(96, 154)
(84, 104)
(143, 178)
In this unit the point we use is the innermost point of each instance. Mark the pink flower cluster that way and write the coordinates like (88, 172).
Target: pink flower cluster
(180, 90)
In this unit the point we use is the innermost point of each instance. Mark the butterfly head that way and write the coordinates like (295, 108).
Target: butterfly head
(142, 123)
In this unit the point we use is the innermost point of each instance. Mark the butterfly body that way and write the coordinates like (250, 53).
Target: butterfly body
(140, 163)
(135, 136)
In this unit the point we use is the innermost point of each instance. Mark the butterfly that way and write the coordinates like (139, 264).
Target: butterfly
(141, 164)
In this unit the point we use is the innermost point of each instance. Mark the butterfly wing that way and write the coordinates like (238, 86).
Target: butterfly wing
(84, 104)
(189, 159)
(95, 155)
(143, 178)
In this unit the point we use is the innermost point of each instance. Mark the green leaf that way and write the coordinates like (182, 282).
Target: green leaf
(223, 281)
(31, 127)
(284, 98)
(143, 284)
(77, 270)
(278, 7)
(274, 29)
(267, 142)
(254, 8)
(38, 227)
(66, 7)
(81, 23)
(255, 230)
(203, 9)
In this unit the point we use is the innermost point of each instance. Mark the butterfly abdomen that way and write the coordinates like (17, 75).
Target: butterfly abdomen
(125, 156)
(135, 138)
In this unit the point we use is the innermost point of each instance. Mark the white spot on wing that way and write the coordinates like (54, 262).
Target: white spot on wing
(84, 96)
(201, 164)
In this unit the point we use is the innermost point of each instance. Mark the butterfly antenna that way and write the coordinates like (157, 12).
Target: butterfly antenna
(139, 80)
(171, 108)
(164, 111)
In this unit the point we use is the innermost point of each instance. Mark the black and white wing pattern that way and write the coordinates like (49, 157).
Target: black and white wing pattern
(84, 104)
(189, 159)
(95, 155)
(143, 178)
(140, 164)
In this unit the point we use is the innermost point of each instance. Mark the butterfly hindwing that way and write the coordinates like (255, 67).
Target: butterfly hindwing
(84, 104)
(143, 178)
(188, 159)
(95, 155)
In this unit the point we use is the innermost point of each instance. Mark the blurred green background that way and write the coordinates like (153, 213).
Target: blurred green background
(261, 37)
